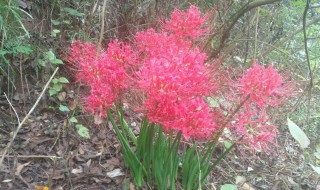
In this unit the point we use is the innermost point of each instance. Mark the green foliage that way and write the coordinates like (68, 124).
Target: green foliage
(137, 169)
(73, 120)
(72, 12)
(153, 159)
(10, 19)
(304, 142)
(298, 134)
(195, 167)
(13, 39)
(82, 131)
(64, 108)
(316, 169)
(57, 84)
(228, 187)
(156, 160)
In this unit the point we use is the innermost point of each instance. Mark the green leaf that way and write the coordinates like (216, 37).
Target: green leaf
(52, 92)
(3, 52)
(73, 120)
(23, 49)
(55, 81)
(73, 12)
(55, 32)
(228, 187)
(55, 22)
(64, 108)
(317, 155)
(227, 144)
(316, 169)
(83, 131)
(317, 152)
(49, 55)
(42, 62)
(66, 21)
(57, 87)
(63, 80)
(57, 61)
(298, 134)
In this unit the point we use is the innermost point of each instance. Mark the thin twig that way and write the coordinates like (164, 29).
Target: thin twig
(305, 41)
(15, 112)
(229, 118)
(102, 24)
(256, 35)
(31, 156)
(290, 36)
(226, 32)
(26, 80)
(21, 80)
(27, 116)
(52, 174)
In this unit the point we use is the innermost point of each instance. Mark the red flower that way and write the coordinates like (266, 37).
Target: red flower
(169, 72)
(252, 127)
(103, 72)
(259, 87)
(186, 24)
(264, 85)
(192, 116)
(174, 79)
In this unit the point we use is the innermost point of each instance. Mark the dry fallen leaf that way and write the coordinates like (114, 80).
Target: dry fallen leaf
(132, 187)
(20, 168)
(247, 186)
(77, 170)
(115, 173)
(37, 187)
(240, 180)
(72, 105)
(34, 142)
(97, 119)
(62, 96)
(112, 163)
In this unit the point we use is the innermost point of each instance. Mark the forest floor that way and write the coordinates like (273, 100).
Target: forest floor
(48, 152)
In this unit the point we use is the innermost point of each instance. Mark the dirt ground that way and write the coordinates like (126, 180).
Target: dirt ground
(48, 152)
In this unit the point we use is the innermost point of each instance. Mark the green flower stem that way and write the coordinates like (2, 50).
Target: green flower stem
(137, 168)
(229, 118)
(223, 155)
(124, 124)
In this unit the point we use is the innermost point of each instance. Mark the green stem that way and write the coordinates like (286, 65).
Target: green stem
(215, 163)
(125, 125)
(228, 119)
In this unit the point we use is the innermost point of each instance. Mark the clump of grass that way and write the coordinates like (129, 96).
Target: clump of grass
(12, 32)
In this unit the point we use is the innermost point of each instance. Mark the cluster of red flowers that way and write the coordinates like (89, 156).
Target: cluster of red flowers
(186, 24)
(174, 77)
(170, 71)
(264, 85)
(259, 87)
(104, 72)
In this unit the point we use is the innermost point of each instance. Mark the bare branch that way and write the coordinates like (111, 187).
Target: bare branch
(280, 43)
(236, 17)
(15, 112)
(27, 116)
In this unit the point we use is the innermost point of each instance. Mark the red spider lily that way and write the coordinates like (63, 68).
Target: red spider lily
(252, 126)
(264, 85)
(168, 70)
(103, 72)
(174, 77)
(186, 24)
